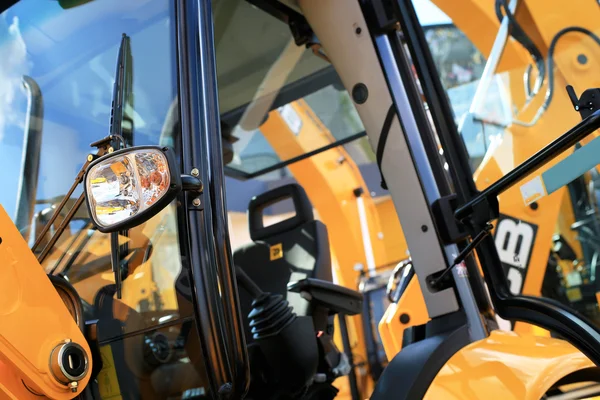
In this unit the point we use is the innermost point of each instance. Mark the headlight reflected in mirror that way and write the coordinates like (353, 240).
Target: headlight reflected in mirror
(128, 184)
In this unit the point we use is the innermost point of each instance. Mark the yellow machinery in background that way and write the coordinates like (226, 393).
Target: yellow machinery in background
(573, 57)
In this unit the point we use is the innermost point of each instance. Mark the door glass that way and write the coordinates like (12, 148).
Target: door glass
(57, 69)
(160, 364)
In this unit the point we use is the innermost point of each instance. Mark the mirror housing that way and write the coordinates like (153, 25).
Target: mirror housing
(127, 187)
(66, 4)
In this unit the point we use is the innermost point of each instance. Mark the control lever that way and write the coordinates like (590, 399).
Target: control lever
(403, 277)
(399, 280)
(286, 340)
(335, 298)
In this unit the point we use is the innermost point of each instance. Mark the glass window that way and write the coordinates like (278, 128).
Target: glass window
(167, 360)
(334, 110)
(260, 70)
(460, 66)
(57, 71)
(251, 46)
(288, 73)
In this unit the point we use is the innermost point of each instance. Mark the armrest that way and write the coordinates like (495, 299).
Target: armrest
(337, 299)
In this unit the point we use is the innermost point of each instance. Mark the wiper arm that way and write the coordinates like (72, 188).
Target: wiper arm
(121, 95)
(30, 164)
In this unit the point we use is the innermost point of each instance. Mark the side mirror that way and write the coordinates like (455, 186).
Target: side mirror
(126, 188)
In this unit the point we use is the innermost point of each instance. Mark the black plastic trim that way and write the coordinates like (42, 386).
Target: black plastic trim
(353, 382)
(302, 207)
(7, 5)
(411, 371)
(204, 231)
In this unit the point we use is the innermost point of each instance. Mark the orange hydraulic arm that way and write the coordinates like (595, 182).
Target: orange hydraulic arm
(41, 346)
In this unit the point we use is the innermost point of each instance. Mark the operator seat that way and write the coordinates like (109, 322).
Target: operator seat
(290, 250)
(291, 260)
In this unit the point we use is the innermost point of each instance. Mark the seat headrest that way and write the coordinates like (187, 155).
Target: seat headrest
(302, 206)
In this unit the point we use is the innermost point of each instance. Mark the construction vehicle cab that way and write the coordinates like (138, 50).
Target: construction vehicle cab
(207, 199)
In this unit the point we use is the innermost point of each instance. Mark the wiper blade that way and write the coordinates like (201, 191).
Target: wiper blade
(121, 97)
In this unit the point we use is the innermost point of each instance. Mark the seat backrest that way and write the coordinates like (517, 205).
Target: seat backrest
(284, 252)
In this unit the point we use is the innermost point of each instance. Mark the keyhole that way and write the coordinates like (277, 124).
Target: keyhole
(73, 362)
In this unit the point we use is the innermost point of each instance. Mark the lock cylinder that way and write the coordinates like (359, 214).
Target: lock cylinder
(69, 364)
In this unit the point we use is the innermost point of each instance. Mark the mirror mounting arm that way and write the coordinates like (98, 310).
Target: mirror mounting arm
(190, 183)
(103, 147)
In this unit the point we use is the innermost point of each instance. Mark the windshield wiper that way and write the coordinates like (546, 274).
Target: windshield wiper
(30, 161)
(121, 96)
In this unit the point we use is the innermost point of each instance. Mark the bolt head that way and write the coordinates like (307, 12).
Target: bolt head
(195, 172)
(196, 202)
(404, 318)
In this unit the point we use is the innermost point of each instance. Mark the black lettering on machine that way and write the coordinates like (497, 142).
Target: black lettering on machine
(514, 241)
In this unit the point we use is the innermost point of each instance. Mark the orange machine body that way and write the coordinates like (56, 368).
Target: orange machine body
(409, 311)
(34, 321)
(506, 366)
